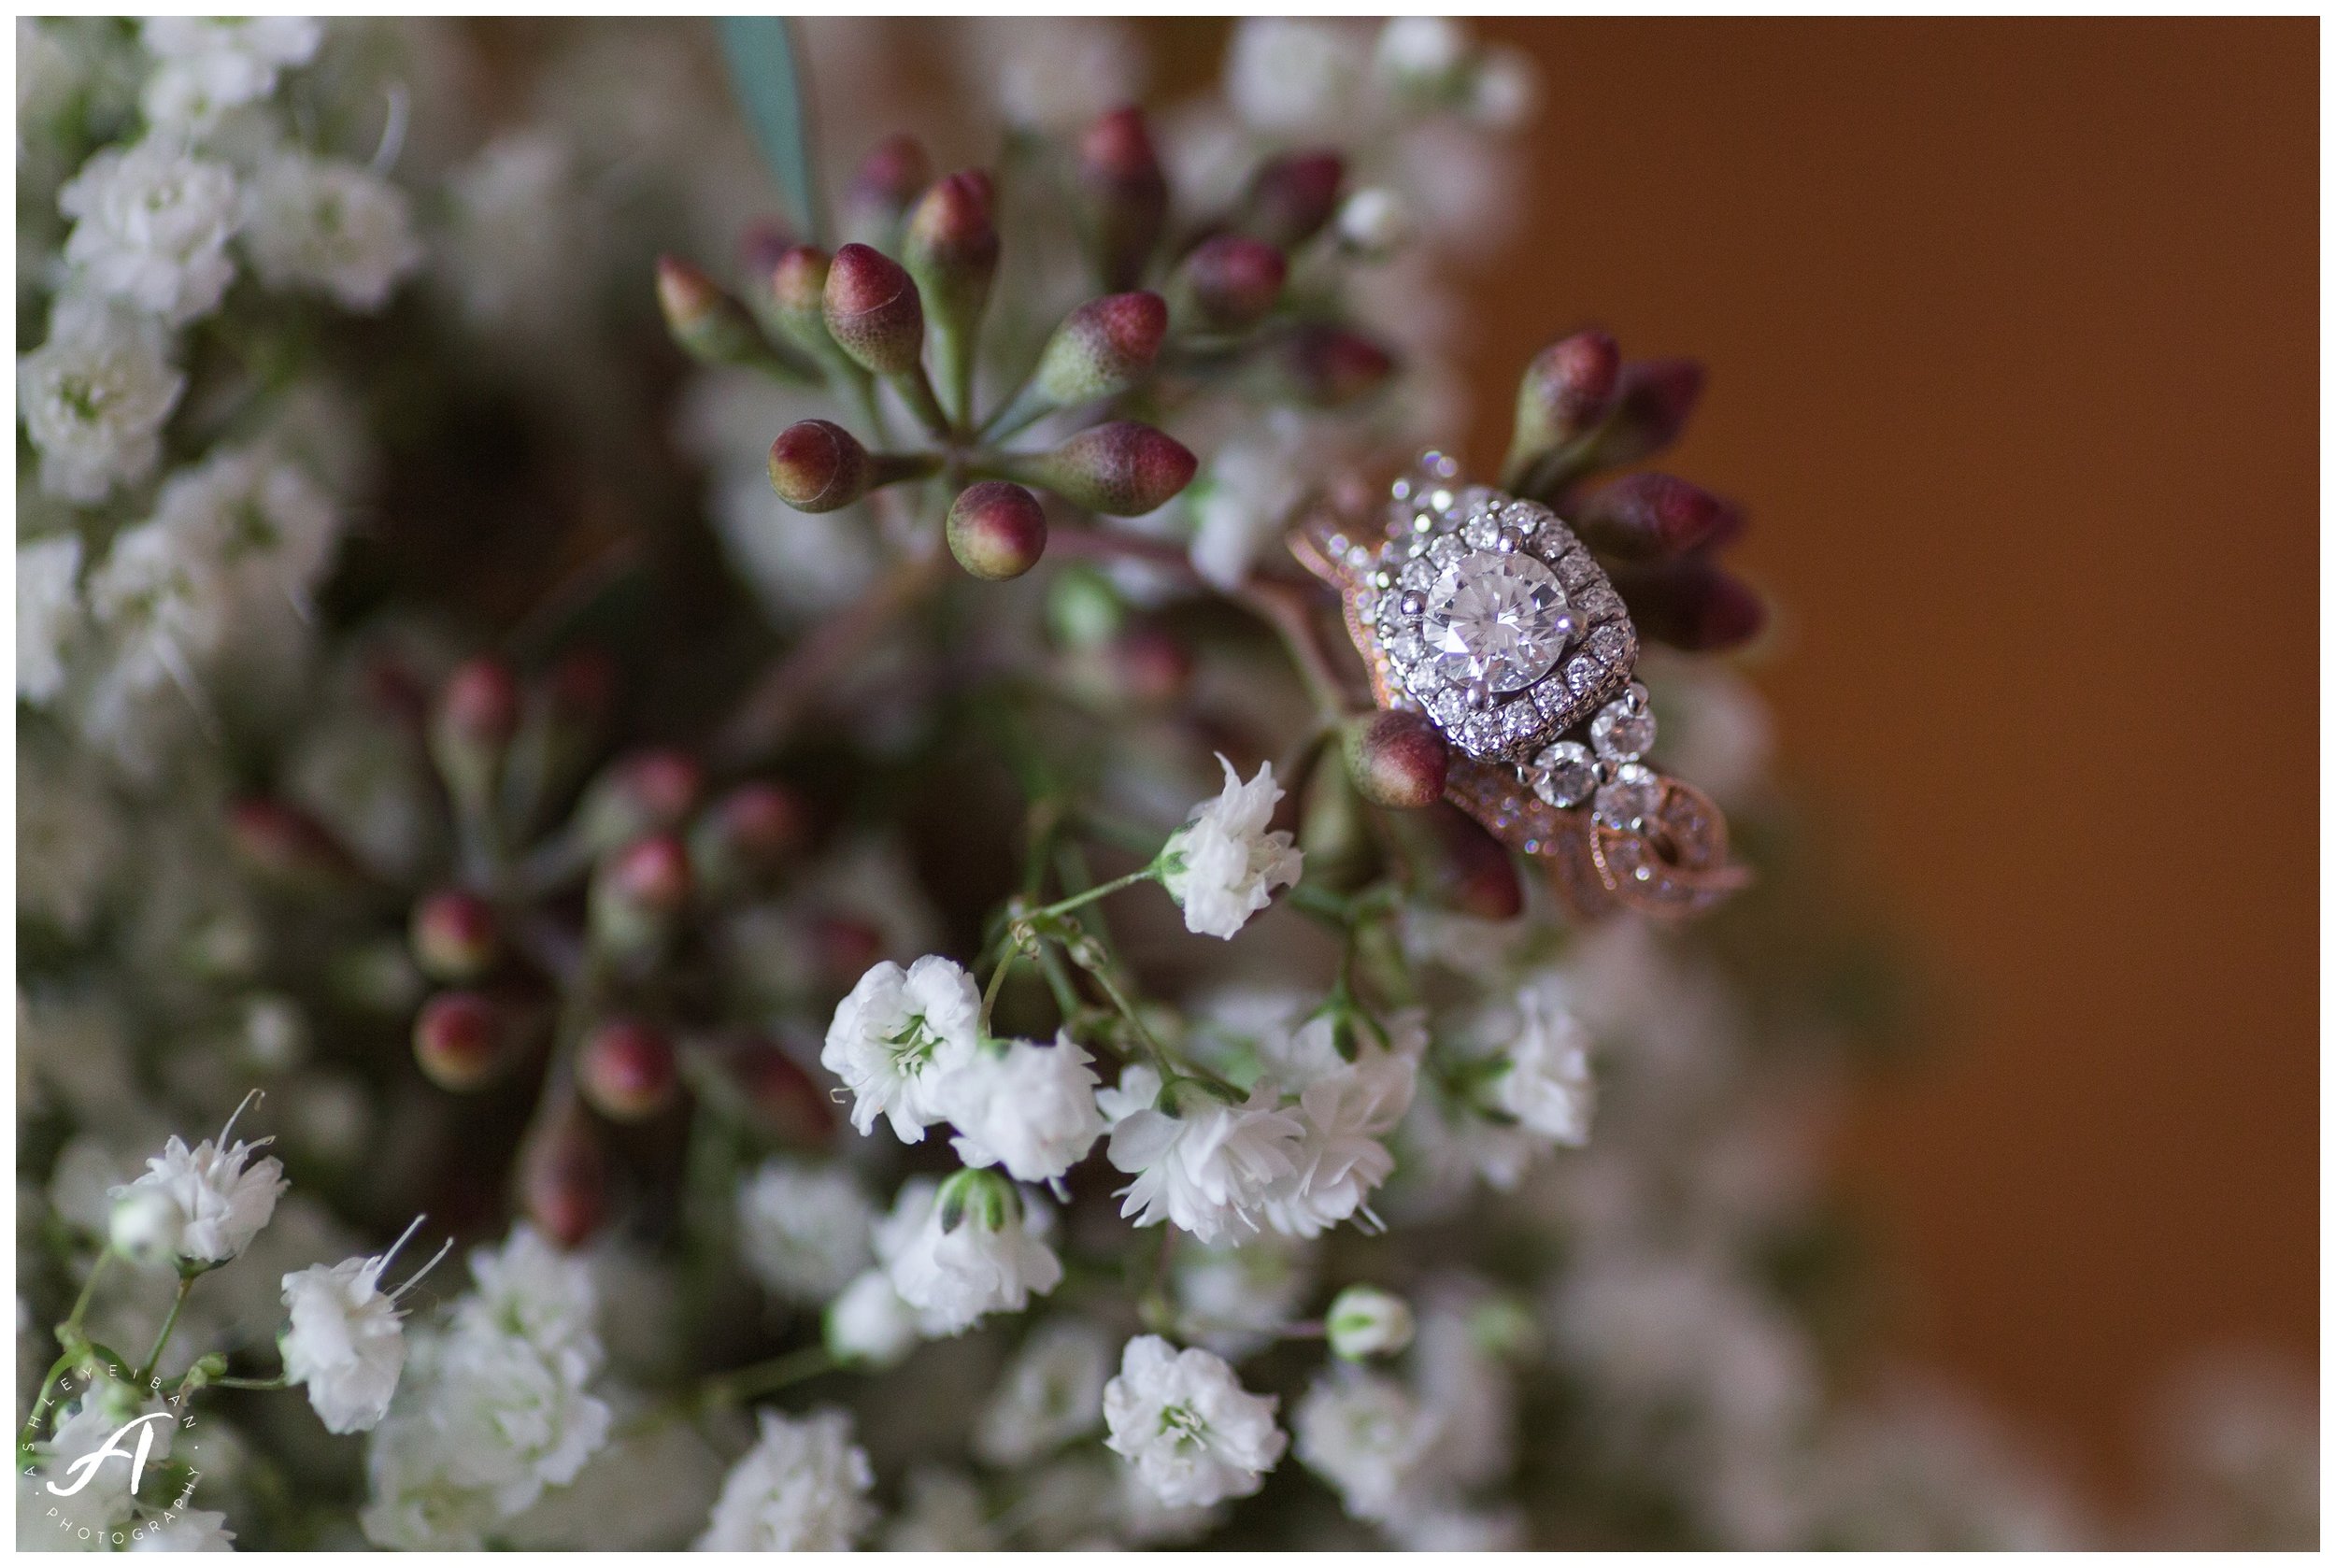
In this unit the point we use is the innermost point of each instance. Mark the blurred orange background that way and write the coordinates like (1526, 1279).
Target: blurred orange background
(2013, 333)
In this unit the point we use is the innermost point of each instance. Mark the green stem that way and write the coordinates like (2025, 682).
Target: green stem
(997, 981)
(68, 1335)
(1064, 906)
(279, 1381)
(170, 1325)
(765, 1377)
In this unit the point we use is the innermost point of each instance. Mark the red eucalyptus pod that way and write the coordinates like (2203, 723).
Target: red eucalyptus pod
(997, 529)
(1396, 759)
(1229, 283)
(795, 296)
(896, 169)
(1329, 366)
(762, 242)
(471, 727)
(1566, 390)
(627, 1070)
(1647, 517)
(873, 311)
(641, 793)
(819, 466)
(1120, 469)
(564, 1176)
(1691, 604)
(284, 846)
(783, 1095)
(456, 935)
(709, 325)
(747, 836)
(843, 948)
(640, 893)
(1124, 204)
(952, 247)
(462, 1039)
(1151, 666)
(1652, 404)
(1290, 197)
(1456, 866)
(1102, 349)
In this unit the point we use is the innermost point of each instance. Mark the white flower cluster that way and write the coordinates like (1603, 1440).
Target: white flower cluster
(497, 1402)
(801, 1488)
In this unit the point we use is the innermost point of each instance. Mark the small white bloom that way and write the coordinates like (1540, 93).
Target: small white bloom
(1375, 221)
(1209, 1167)
(803, 1486)
(151, 226)
(1343, 1113)
(1058, 72)
(803, 1229)
(1423, 51)
(222, 1202)
(1193, 1434)
(963, 1249)
(1051, 1393)
(1365, 1320)
(48, 612)
(189, 1530)
(211, 65)
(898, 1036)
(345, 1341)
(868, 1323)
(515, 1415)
(1363, 1433)
(1548, 1086)
(1030, 1108)
(529, 1290)
(95, 399)
(1296, 75)
(1506, 90)
(1222, 866)
(330, 224)
(1243, 501)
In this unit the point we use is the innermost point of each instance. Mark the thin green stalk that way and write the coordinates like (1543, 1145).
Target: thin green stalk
(170, 1326)
(765, 1377)
(67, 1334)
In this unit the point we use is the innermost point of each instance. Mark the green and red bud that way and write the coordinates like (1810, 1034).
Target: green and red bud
(1653, 401)
(1228, 284)
(640, 793)
(743, 838)
(1566, 392)
(997, 529)
(1454, 865)
(1691, 604)
(627, 1070)
(1104, 348)
(471, 726)
(1123, 196)
(638, 894)
(1329, 366)
(819, 466)
(951, 248)
(564, 1176)
(1290, 197)
(712, 326)
(795, 299)
(783, 1095)
(456, 935)
(873, 311)
(463, 1039)
(1648, 516)
(878, 198)
(1120, 469)
(1397, 759)
(286, 847)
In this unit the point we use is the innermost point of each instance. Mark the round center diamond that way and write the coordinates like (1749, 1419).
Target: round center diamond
(1499, 618)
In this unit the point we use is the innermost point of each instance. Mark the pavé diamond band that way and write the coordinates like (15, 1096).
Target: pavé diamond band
(1488, 614)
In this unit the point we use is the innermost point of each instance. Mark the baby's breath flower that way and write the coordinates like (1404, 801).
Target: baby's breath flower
(329, 224)
(346, 1340)
(803, 1230)
(1365, 1434)
(1223, 865)
(1029, 1108)
(1051, 1393)
(94, 398)
(803, 1486)
(151, 226)
(963, 1249)
(219, 1198)
(896, 1039)
(1206, 1165)
(1194, 1436)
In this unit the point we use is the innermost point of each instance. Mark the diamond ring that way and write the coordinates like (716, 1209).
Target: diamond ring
(1488, 615)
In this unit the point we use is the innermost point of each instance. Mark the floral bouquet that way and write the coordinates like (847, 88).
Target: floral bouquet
(922, 889)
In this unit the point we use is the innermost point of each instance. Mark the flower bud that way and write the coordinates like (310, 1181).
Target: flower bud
(288, 848)
(709, 325)
(1120, 469)
(641, 793)
(1396, 758)
(1290, 197)
(951, 248)
(1229, 283)
(997, 529)
(783, 1095)
(795, 297)
(1566, 390)
(1376, 222)
(819, 466)
(1329, 366)
(745, 837)
(638, 894)
(1454, 865)
(761, 244)
(873, 312)
(1691, 604)
(887, 180)
(462, 1040)
(144, 1227)
(456, 935)
(868, 1325)
(1102, 349)
(1364, 1321)
(1653, 401)
(1647, 517)
(1505, 1328)
(627, 1070)
(564, 1177)
(1124, 196)
(477, 712)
